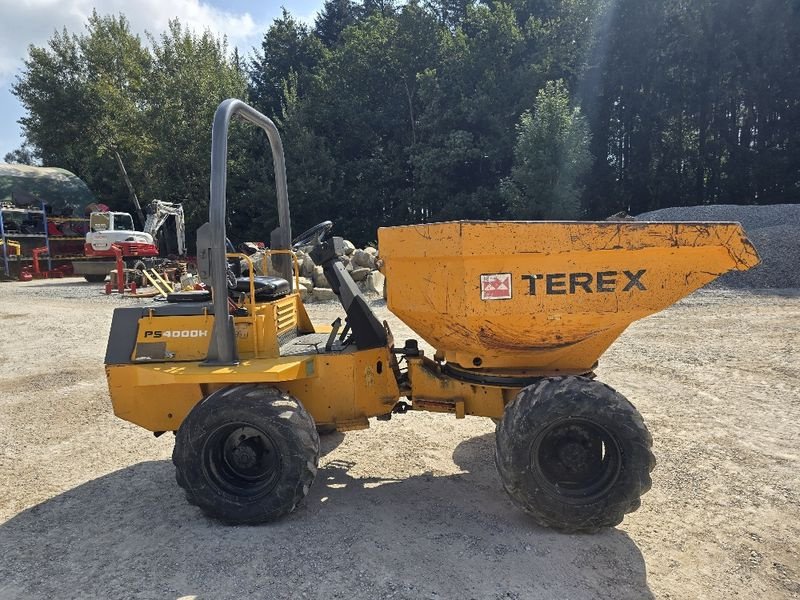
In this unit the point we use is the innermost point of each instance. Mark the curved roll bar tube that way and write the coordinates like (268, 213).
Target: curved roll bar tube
(211, 237)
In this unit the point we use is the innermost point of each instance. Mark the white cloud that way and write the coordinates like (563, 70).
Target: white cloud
(26, 22)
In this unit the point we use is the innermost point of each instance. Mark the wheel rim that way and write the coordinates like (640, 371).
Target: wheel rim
(242, 460)
(576, 459)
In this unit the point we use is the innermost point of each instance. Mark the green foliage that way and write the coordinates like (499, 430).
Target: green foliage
(104, 91)
(191, 74)
(21, 156)
(333, 19)
(287, 46)
(695, 103)
(550, 158)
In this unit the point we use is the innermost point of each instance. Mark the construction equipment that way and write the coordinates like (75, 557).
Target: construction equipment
(35, 271)
(518, 312)
(11, 247)
(15, 247)
(107, 229)
(158, 212)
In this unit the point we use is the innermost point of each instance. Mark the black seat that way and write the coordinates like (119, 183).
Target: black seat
(266, 287)
(190, 296)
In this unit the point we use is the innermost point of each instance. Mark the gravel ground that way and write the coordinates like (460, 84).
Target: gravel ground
(773, 229)
(410, 508)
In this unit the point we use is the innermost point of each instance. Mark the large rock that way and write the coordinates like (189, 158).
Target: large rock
(318, 278)
(362, 258)
(306, 283)
(307, 267)
(375, 282)
(323, 294)
(371, 250)
(349, 247)
(359, 273)
(259, 263)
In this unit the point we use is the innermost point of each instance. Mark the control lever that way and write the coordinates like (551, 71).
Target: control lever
(345, 331)
(337, 324)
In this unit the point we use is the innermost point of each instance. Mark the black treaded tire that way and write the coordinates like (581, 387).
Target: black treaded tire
(246, 454)
(136, 263)
(95, 278)
(139, 266)
(574, 454)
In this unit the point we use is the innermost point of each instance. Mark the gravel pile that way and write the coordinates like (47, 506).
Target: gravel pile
(774, 230)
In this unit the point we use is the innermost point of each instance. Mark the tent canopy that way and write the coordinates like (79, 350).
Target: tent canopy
(57, 187)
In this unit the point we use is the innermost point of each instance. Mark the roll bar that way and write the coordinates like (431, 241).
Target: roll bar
(211, 236)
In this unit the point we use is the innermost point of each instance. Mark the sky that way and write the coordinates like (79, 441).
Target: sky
(25, 22)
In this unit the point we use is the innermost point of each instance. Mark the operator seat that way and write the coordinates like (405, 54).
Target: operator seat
(266, 287)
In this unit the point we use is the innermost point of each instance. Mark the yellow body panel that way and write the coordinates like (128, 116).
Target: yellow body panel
(186, 338)
(342, 389)
(431, 390)
(348, 388)
(180, 338)
(563, 291)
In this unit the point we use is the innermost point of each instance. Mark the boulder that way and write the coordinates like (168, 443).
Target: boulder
(307, 266)
(349, 247)
(375, 281)
(371, 250)
(318, 277)
(258, 263)
(323, 294)
(306, 283)
(362, 258)
(359, 273)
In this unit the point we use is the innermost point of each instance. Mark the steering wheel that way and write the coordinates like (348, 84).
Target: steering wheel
(315, 234)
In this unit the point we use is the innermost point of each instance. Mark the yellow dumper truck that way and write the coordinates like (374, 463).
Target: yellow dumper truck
(518, 312)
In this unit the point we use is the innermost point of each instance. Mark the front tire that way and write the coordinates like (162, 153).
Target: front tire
(574, 454)
(246, 454)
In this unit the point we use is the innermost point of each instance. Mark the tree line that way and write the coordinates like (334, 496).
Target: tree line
(396, 113)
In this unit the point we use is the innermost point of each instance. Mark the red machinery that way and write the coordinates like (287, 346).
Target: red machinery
(36, 272)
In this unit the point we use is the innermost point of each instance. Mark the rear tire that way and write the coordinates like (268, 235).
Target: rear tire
(246, 454)
(136, 264)
(574, 454)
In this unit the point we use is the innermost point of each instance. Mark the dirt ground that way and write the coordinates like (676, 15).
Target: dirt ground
(411, 508)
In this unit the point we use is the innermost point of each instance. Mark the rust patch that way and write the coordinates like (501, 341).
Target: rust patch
(491, 341)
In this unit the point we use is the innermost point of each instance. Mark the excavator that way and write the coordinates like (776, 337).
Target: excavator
(107, 229)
